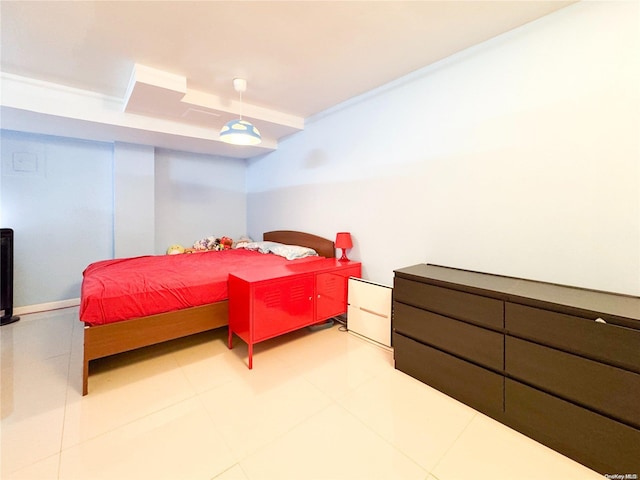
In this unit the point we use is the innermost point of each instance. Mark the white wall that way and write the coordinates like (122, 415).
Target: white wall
(73, 202)
(519, 156)
(198, 196)
(57, 197)
(133, 200)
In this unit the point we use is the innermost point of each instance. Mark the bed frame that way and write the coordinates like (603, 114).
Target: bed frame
(104, 340)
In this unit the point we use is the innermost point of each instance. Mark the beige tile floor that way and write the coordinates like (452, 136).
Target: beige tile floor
(317, 405)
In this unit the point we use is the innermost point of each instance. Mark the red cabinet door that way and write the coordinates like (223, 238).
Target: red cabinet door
(331, 292)
(281, 306)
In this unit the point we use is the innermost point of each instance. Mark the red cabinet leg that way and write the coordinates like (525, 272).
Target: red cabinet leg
(250, 356)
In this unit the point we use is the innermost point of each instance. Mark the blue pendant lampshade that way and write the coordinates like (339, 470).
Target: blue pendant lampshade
(240, 132)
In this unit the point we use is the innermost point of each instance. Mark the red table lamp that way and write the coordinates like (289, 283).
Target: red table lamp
(343, 241)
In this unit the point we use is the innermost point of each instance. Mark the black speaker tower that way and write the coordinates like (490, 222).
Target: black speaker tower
(6, 277)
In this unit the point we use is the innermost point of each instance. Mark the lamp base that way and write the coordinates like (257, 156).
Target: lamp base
(344, 258)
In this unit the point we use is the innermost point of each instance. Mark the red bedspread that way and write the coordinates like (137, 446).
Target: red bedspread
(122, 289)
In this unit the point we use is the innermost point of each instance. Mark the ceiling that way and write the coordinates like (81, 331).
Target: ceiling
(169, 65)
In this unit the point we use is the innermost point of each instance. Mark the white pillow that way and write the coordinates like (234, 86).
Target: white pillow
(291, 252)
(262, 247)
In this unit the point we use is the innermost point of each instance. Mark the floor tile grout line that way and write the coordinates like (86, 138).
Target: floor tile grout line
(218, 431)
(446, 452)
(130, 422)
(429, 472)
(291, 428)
(306, 379)
(68, 354)
(386, 441)
(194, 395)
(287, 432)
(66, 399)
(217, 475)
(121, 425)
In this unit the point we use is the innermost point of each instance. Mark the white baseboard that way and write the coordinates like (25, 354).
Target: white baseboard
(45, 307)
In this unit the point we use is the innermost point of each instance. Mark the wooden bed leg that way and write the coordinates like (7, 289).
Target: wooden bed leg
(85, 362)
(85, 377)
(230, 339)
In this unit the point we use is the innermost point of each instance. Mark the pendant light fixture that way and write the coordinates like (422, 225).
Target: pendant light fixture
(240, 132)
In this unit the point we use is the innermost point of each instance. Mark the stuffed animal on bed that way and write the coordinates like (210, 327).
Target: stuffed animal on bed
(225, 243)
(175, 250)
(213, 243)
(205, 244)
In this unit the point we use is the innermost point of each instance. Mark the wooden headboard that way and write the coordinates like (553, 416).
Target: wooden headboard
(323, 246)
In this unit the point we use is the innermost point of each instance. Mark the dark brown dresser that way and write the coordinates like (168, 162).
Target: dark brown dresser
(557, 363)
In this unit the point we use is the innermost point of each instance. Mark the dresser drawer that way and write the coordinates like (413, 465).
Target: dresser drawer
(608, 343)
(452, 303)
(598, 442)
(477, 344)
(464, 381)
(609, 390)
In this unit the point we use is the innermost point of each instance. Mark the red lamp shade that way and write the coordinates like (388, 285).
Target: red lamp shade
(343, 241)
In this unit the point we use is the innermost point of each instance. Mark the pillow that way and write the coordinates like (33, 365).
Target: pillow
(291, 252)
(242, 242)
(262, 247)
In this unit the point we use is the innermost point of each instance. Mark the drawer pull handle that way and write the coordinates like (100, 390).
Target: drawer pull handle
(600, 320)
(373, 313)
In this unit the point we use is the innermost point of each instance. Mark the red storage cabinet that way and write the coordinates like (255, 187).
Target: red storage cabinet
(267, 302)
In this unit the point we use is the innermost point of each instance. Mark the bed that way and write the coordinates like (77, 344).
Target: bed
(108, 332)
